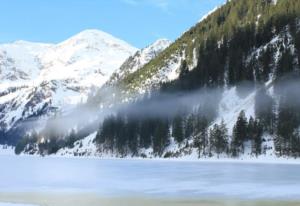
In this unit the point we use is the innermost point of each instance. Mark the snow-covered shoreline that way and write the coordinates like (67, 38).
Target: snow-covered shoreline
(94, 200)
(244, 160)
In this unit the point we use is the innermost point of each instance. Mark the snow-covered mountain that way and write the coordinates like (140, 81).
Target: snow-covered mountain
(133, 64)
(37, 78)
(207, 56)
(19, 61)
(139, 59)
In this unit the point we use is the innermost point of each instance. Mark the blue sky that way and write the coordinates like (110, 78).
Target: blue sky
(139, 22)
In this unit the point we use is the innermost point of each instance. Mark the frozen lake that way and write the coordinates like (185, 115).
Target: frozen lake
(125, 178)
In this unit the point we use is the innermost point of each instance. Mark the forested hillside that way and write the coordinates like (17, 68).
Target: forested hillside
(236, 89)
(226, 41)
(244, 44)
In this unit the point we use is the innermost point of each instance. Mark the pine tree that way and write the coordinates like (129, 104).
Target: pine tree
(251, 128)
(71, 139)
(146, 133)
(132, 135)
(264, 109)
(285, 63)
(265, 60)
(256, 133)
(161, 136)
(239, 134)
(177, 128)
(121, 138)
(189, 126)
(288, 123)
(106, 135)
(201, 142)
(183, 70)
(219, 139)
(201, 137)
(297, 45)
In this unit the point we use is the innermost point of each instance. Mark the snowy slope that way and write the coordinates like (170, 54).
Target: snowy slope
(40, 78)
(139, 59)
(19, 61)
(84, 147)
(88, 58)
(111, 93)
(6, 150)
(231, 104)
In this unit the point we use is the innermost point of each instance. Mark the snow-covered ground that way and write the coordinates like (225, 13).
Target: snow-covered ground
(86, 148)
(6, 150)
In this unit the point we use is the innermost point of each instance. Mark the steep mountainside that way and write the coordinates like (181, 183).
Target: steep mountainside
(40, 79)
(138, 60)
(242, 26)
(110, 94)
(227, 87)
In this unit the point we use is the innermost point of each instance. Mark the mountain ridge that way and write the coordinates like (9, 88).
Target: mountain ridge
(37, 78)
(215, 91)
(243, 43)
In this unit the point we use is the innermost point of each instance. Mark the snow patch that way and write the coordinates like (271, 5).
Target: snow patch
(6, 150)
(231, 105)
(84, 147)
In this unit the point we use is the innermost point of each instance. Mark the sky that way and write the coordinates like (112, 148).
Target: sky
(138, 22)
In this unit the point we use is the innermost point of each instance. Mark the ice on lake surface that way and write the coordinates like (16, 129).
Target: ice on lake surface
(13, 204)
(124, 178)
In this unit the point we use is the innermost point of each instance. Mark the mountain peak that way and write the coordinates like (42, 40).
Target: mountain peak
(160, 43)
(93, 33)
(155, 48)
(94, 36)
(139, 59)
(56, 75)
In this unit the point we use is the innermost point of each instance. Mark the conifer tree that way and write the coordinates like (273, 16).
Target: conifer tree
(255, 130)
(121, 138)
(161, 136)
(132, 135)
(285, 63)
(177, 128)
(201, 137)
(219, 138)
(146, 133)
(189, 126)
(264, 109)
(265, 61)
(239, 134)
